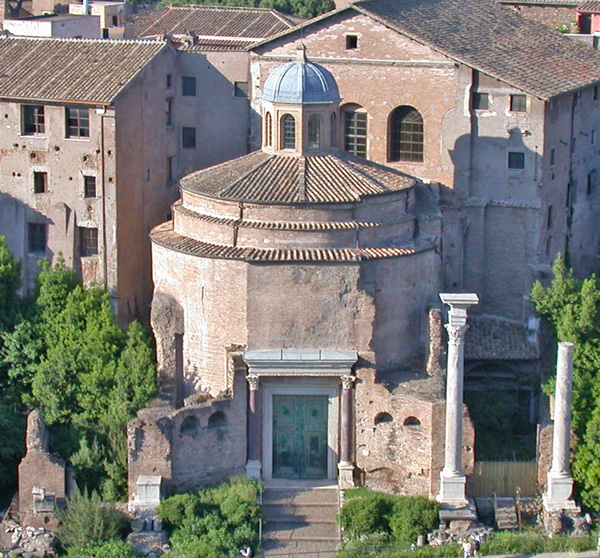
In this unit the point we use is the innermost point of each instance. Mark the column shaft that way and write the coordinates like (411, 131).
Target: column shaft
(562, 410)
(346, 425)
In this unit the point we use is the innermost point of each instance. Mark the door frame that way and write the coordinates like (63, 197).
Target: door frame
(332, 393)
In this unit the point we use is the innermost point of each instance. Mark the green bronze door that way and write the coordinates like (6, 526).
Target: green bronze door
(300, 436)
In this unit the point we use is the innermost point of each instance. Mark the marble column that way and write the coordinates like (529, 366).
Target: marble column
(253, 466)
(345, 466)
(560, 482)
(452, 477)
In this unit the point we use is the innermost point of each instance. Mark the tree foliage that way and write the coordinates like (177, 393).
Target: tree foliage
(300, 8)
(572, 308)
(68, 358)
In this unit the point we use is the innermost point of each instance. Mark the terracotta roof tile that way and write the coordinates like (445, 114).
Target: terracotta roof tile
(589, 7)
(493, 338)
(163, 235)
(75, 70)
(494, 39)
(211, 21)
(264, 178)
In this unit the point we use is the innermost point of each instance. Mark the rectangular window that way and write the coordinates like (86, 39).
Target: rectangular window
(591, 182)
(170, 169)
(169, 81)
(241, 89)
(481, 101)
(188, 137)
(553, 156)
(188, 86)
(88, 241)
(518, 103)
(169, 109)
(516, 160)
(78, 122)
(549, 218)
(32, 120)
(40, 182)
(351, 42)
(36, 238)
(89, 186)
(595, 93)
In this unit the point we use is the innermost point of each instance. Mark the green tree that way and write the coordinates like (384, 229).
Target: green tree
(88, 376)
(572, 308)
(10, 279)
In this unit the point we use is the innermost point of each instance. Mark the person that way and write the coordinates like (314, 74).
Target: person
(467, 549)
(476, 544)
(246, 552)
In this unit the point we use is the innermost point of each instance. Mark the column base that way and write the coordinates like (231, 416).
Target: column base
(253, 469)
(345, 475)
(559, 488)
(453, 490)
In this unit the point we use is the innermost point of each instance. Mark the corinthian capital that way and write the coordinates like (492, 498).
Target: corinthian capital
(252, 381)
(456, 334)
(347, 381)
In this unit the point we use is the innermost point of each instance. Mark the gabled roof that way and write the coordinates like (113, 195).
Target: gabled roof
(211, 21)
(490, 38)
(589, 7)
(71, 70)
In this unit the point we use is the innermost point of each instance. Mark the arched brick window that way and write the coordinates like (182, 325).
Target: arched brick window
(411, 421)
(288, 132)
(189, 425)
(406, 138)
(217, 420)
(314, 132)
(268, 129)
(382, 418)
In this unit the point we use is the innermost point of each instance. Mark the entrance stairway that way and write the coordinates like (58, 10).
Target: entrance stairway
(300, 522)
(506, 513)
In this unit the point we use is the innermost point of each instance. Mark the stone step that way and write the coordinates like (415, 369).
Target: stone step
(506, 514)
(301, 532)
(299, 549)
(286, 496)
(304, 512)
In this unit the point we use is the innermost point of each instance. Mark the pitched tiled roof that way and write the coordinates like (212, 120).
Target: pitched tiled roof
(211, 21)
(209, 44)
(489, 37)
(493, 338)
(264, 178)
(165, 236)
(589, 7)
(75, 70)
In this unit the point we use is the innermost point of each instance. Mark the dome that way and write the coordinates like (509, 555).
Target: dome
(301, 82)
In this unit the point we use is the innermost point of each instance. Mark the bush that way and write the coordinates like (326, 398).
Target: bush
(87, 520)
(114, 548)
(365, 513)
(413, 516)
(213, 522)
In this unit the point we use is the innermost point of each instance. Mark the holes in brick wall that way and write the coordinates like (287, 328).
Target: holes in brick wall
(382, 418)
(189, 425)
(217, 420)
(411, 421)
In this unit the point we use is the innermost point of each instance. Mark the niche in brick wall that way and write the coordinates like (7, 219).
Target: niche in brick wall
(382, 418)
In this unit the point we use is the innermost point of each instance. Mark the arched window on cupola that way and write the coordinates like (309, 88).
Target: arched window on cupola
(268, 130)
(288, 132)
(314, 132)
(334, 130)
(406, 138)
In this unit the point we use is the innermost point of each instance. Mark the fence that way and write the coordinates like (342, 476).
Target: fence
(503, 478)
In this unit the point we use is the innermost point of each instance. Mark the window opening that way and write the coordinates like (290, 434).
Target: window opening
(169, 110)
(355, 133)
(518, 103)
(40, 182)
(32, 120)
(89, 186)
(88, 241)
(241, 89)
(188, 86)
(78, 122)
(314, 132)
(333, 130)
(406, 135)
(36, 237)
(351, 42)
(288, 132)
(268, 130)
(516, 160)
(481, 101)
(188, 137)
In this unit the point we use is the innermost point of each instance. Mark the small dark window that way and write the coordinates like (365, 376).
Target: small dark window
(518, 103)
(169, 81)
(32, 120)
(89, 186)
(188, 86)
(516, 160)
(217, 420)
(188, 138)
(40, 182)
(334, 130)
(591, 182)
(169, 111)
(170, 169)
(115, 21)
(481, 101)
(382, 418)
(595, 93)
(78, 122)
(288, 132)
(351, 42)
(549, 218)
(553, 156)
(189, 425)
(241, 89)
(36, 238)
(411, 421)
(88, 241)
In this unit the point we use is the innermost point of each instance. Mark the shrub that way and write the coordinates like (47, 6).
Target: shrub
(114, 548)
(413, 516)
(365, 515)
(87, 520)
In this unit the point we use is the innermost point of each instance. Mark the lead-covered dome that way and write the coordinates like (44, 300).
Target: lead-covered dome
(301, 82)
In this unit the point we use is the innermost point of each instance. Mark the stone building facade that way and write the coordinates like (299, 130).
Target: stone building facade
(314, 263)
